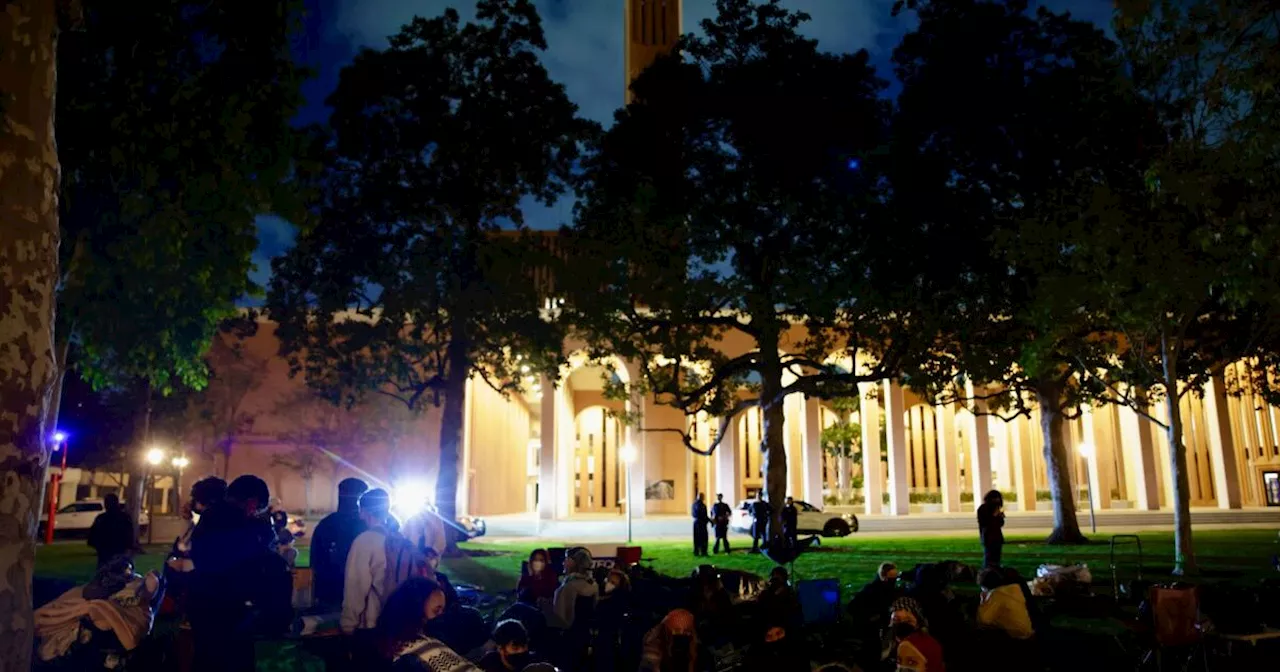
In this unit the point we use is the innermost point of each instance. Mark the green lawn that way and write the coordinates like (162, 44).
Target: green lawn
(1224, 555)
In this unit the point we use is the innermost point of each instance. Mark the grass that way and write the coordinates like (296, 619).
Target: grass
(1224, 555)
(1243, 555)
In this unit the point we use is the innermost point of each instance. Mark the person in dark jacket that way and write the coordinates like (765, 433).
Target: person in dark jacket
(720, 515)
(790, 523)
(331, 542)
(240, 588)
(700, 521)
(511, 648)
(871, 602)
(990, 528)
(539, 582)
(112, 532)
(761, 512)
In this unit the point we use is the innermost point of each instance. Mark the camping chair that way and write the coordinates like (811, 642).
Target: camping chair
(1118, 589)
(626, 556)
(1175, 628)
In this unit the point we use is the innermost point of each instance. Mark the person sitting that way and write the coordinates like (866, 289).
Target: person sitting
(777, 651)
(538, 582)
(914, 649)
(779, 601)
(112, 532)
(401, 632)
(672, 646)
(432, 558)
(1003, 606)
(511, 648)
(873, 599)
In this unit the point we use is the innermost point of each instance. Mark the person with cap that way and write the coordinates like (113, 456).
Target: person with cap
(331, 542)
(577, 584)
(378, 563)
(240, 588)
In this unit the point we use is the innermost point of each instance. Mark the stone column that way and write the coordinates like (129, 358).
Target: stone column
(728, 471)
(979, 450)
(895, 409)
(1222, 448)
(547, 490)
(1024, 463)
(1095, 434)
(812, 457)
(948, 457)
(872, 471)
(1135, 431)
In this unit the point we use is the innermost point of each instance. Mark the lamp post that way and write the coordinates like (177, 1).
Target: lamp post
(59, 445)
(1087, 451)
(180, 462)
(154, 457)
(628, 455)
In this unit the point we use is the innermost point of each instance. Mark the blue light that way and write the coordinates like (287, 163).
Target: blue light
(854, 164)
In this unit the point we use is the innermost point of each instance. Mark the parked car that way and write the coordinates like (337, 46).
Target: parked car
(811, 520)
(78, 516)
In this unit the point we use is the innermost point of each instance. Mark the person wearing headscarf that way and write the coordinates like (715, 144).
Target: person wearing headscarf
(672, 645)
(331, 542)
(914, 649)
(577, 583)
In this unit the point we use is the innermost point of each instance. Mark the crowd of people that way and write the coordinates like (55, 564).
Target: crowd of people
(229, 576)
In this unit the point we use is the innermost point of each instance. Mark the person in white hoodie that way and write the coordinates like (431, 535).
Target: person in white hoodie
(378, 563)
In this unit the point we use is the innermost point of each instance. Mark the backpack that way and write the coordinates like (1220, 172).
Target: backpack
(404, 561)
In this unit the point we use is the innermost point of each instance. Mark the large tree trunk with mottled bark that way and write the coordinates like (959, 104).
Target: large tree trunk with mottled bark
(772, 448)
(451, 426)
(1057, 459)
(29, 177)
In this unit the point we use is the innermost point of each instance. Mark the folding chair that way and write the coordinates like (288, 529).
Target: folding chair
(1119, 590)
(1175, 616)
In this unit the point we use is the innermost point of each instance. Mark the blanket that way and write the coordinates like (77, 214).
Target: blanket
(127, 614)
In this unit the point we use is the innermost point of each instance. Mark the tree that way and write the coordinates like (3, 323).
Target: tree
(1201, 219)
(842, 440)
(218, 412)
(1003, 183)
(734, 199)
(405, 286)
(175, 135)
(28, 278)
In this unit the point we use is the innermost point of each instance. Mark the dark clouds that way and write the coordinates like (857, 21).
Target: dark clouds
(584, 53)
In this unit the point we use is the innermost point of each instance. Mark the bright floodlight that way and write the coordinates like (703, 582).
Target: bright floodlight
(628, 454)
(155, 456)
(411, 497)
(59, 437)
(1086, 449)
(181, 462)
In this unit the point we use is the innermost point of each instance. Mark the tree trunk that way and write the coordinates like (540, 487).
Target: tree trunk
(137, 474)
(772, 448)
(1184, 553)
(51, 413)
(306, 495)
(226, 459)
(451, 424)
(1057, 459)
(842, 479)
(29, 175)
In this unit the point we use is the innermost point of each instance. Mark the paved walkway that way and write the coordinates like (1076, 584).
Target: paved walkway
(519, 527)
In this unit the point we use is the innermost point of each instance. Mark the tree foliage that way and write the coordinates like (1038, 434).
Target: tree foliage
(406, 286)
(1005, 184)
(736, 198)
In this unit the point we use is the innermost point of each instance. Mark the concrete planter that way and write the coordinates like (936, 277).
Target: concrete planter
(925, 508)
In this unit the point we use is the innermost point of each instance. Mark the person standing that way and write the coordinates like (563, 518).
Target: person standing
(700, 521)
(112, 532)
(720, 514)
(991, 528)
(790, 523)
(240, 587)
(368, 580)
(331, 543)
(761, 512)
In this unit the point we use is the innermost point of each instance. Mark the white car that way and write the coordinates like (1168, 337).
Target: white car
(811, 520)
(78, 516)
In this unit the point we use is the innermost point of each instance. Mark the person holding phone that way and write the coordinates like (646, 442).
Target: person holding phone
(991, 528)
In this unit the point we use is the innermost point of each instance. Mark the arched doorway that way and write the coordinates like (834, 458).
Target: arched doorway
(598, 475)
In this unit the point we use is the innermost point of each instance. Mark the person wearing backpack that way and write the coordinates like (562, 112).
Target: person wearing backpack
(379, 561)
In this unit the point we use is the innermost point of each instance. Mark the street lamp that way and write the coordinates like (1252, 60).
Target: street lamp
(154, 457)
(59, 445)
(1088, 453)
(628, 455)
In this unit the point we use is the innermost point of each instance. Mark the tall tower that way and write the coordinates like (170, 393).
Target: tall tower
(650, 30)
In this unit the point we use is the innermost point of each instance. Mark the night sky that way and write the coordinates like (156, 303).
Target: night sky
(584, 53)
